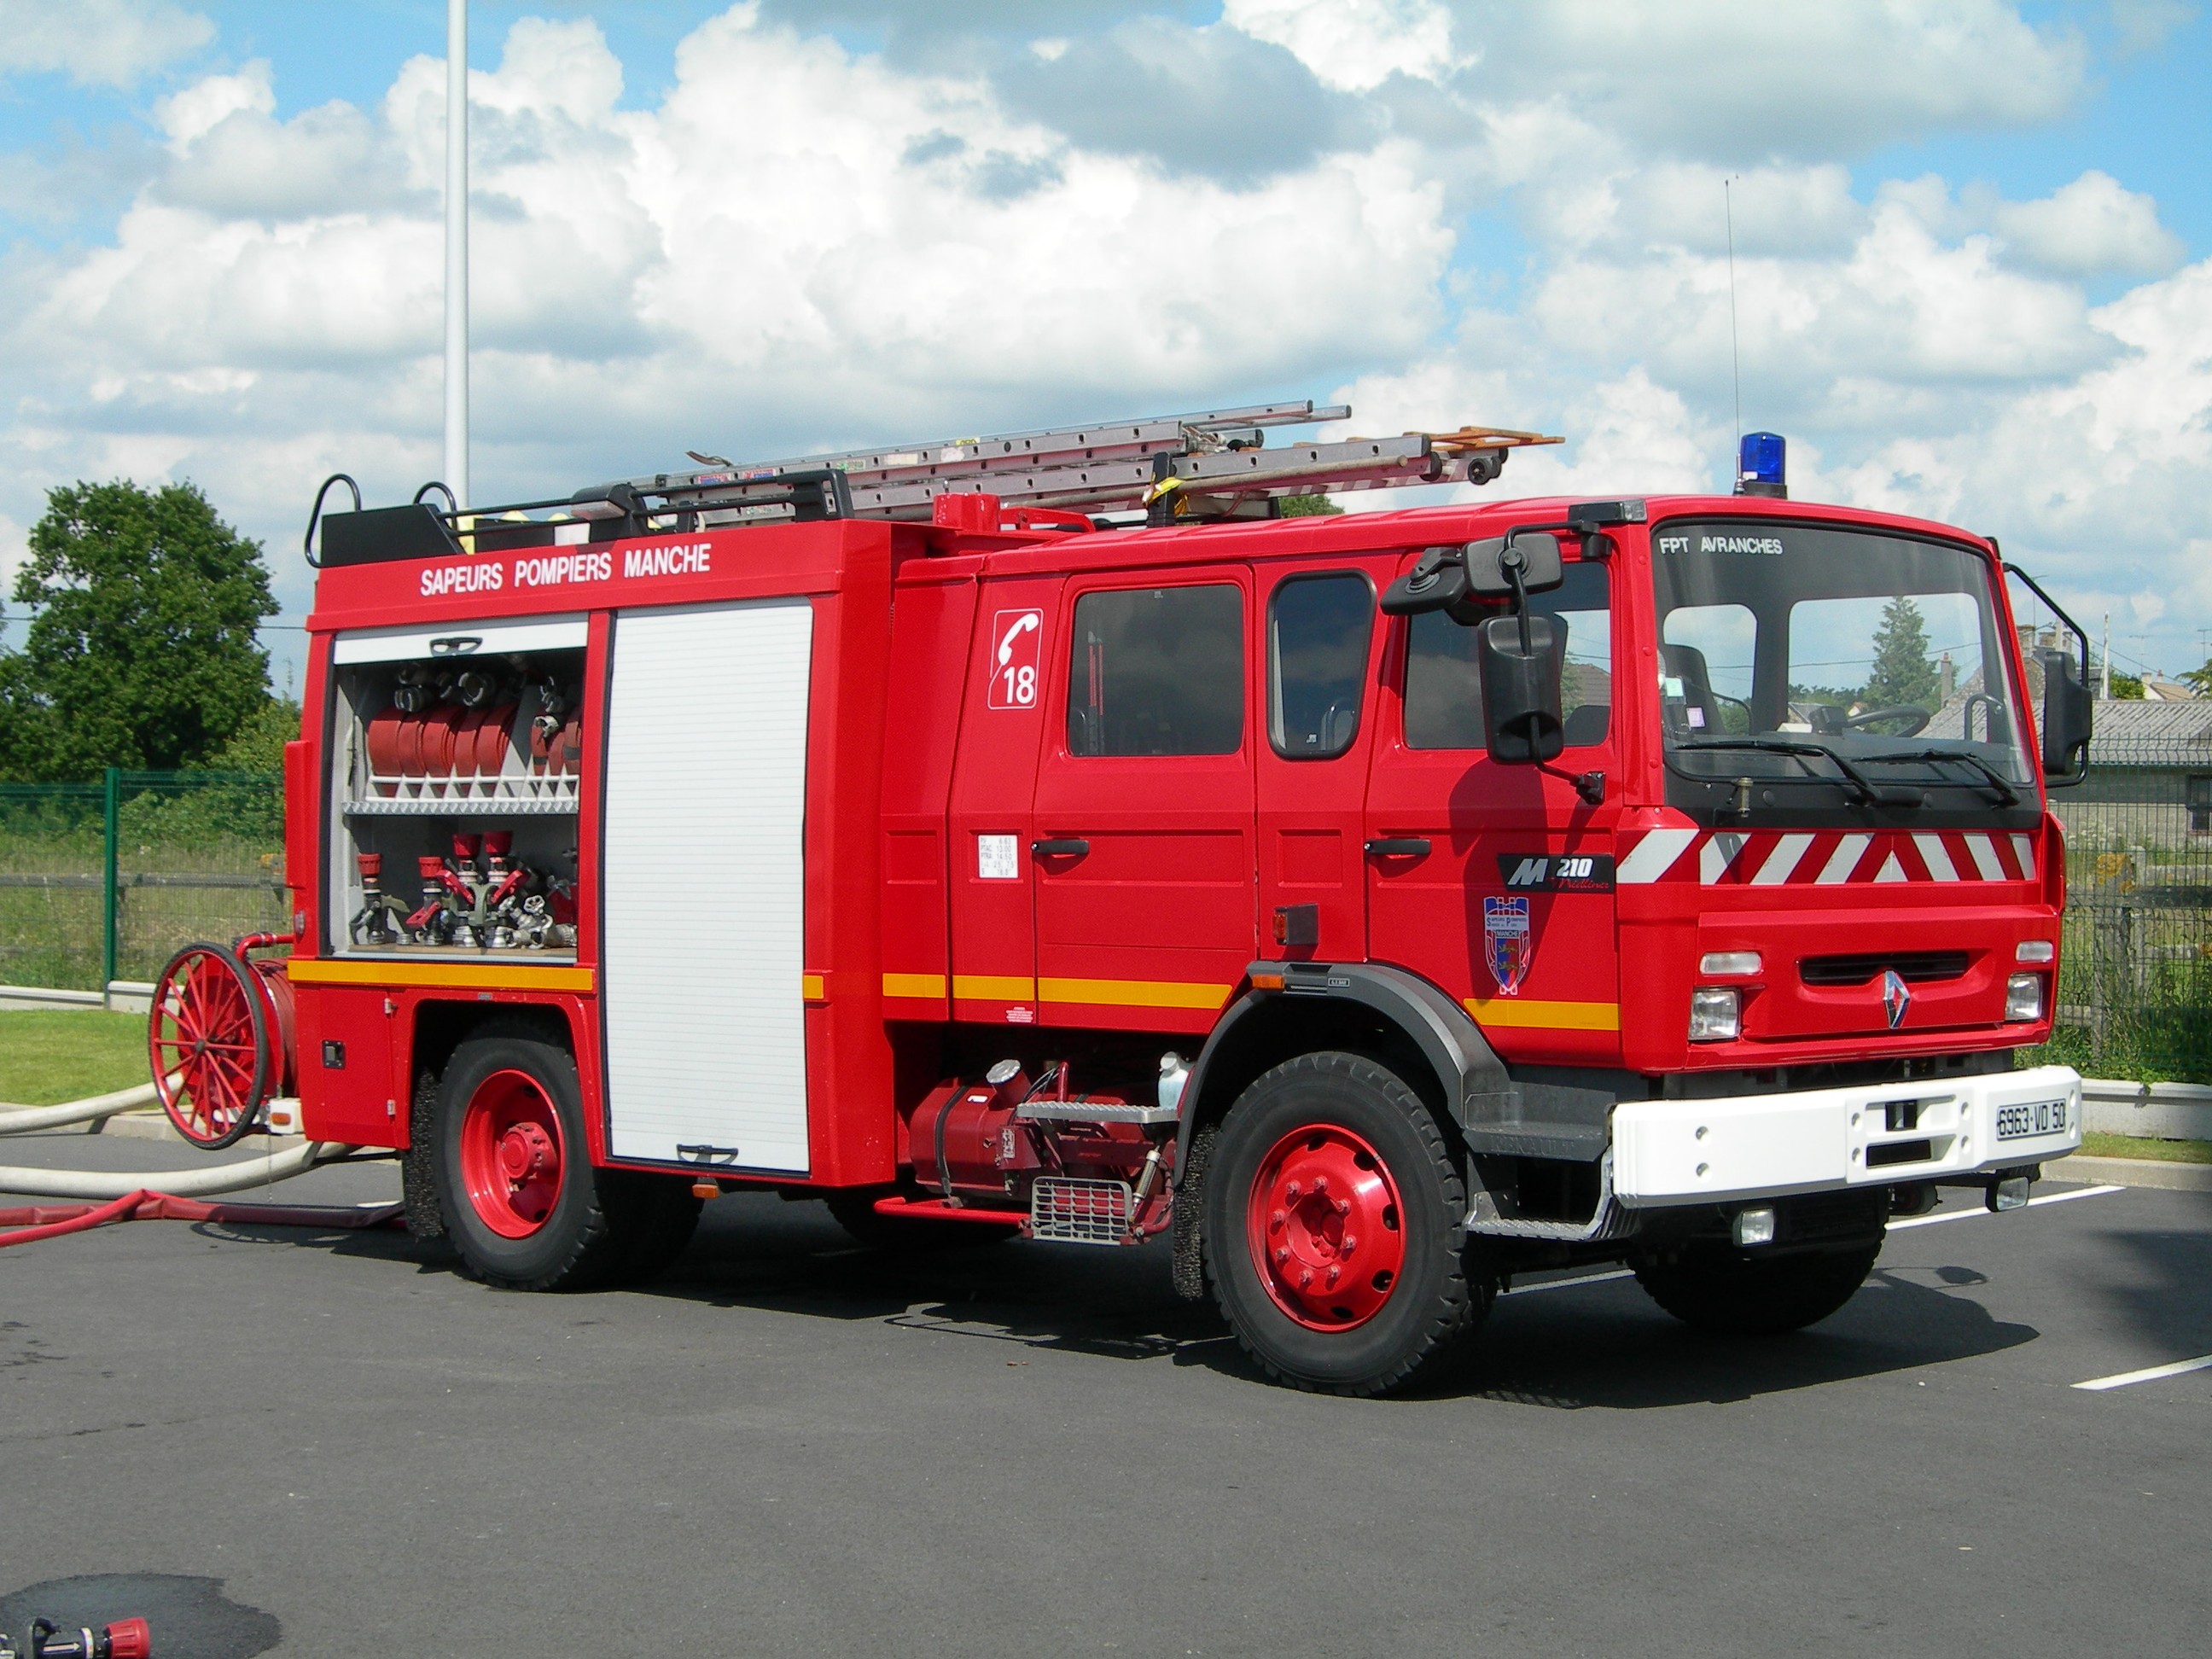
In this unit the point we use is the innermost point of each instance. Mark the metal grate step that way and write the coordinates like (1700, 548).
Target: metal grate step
(1075, 1211)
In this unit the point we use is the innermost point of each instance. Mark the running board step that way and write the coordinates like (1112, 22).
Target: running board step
(1069, 1210)
(1092, 1111)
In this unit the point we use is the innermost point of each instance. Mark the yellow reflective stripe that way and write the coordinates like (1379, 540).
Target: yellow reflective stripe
(810, 987)
(993, 987)
(1545, 1016)
(1133, 993)
(441, 975)
(915, 985)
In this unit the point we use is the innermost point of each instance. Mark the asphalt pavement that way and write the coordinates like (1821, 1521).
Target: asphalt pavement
(793, 1446)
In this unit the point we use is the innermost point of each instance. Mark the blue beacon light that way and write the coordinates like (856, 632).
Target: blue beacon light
(1763, 466)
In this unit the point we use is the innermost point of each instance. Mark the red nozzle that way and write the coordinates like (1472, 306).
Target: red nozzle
(498, 842)
(431, 867)
(465, 847)
(371, 864)
(128, 1638)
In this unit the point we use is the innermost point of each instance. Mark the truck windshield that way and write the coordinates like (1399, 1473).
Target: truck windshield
(1798, 652)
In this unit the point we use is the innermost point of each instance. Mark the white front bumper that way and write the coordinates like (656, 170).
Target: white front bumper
(1701, 1151)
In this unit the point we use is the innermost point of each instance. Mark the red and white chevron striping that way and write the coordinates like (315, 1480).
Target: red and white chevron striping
(1829, 858)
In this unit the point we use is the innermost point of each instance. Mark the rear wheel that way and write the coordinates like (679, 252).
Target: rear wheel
(1330, 1223)
(1717, 1288)
(517, 1193)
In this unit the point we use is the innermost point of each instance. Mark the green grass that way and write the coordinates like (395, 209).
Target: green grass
(2099, 1144)
(49, 1057)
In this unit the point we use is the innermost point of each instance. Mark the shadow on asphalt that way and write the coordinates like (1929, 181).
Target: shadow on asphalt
(1566, 1348)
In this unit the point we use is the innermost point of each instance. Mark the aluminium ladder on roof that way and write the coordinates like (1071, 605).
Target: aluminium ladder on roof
(1209, 462)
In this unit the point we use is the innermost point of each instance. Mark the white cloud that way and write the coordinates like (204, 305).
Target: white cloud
(1354, 45)
(116, 43)
(190, 114)
(2092, 227)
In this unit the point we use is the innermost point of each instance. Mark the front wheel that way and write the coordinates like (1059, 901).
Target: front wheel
(1330, 1225)
(1717, 1288)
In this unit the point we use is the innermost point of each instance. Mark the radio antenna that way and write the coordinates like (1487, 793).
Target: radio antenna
(1736, 355)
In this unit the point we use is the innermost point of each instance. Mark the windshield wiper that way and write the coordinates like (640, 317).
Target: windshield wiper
(1868, 792)
(2006, 795)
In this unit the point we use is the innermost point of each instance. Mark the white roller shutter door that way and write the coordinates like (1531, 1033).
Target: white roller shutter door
(704, 884)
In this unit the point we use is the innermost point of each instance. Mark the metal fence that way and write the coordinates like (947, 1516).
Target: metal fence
(103, 881)
(2134, 989)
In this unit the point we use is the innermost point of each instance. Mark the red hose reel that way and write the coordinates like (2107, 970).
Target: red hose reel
(219, 1037)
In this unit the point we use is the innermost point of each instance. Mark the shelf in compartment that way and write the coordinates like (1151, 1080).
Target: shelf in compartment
(460, 806)
(446, 953)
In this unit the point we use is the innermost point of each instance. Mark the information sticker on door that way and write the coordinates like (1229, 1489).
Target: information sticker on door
(997, 858)
(1017, 643)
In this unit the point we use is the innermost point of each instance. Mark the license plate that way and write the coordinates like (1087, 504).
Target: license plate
(2040, 1117)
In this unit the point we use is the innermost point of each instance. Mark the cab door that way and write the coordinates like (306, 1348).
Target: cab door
(1320, 652)
(1141, 844)
(1495, 881)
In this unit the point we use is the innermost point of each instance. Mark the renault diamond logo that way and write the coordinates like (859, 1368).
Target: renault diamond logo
(1895, 999)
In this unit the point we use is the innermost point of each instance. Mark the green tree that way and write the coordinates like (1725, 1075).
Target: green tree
(1903, 675)
(140, 651)
(1310, 507)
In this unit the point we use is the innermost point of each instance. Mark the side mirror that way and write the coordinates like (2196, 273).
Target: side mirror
(1493, 563)
(2067, 713)
(1523, 662)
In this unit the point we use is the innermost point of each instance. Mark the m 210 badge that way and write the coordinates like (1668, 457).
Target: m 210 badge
(1556, 872)
(1508, 945)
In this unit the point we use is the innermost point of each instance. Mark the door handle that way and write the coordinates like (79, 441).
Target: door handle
(1063, 847)
(1399, 846)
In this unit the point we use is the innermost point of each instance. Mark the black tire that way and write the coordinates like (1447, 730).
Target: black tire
(1431, 1307)
(893, 1234)
(418, 1165)
(1717, 1288)
(584, 1241)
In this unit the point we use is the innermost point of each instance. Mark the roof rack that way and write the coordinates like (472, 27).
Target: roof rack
(1215, 463)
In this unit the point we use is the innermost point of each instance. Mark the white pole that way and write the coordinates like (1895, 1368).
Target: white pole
(457, 249)
(2105, 686)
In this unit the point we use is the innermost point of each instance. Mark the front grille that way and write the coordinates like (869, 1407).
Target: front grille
(1913, 967)
(1820, 1216)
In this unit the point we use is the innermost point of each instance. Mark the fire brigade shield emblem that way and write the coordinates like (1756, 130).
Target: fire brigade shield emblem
(1895, 998)
(1507, 943)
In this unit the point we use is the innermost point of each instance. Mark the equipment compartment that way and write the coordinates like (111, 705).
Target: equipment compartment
(455, 779)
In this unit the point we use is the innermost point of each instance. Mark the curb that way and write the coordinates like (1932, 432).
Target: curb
(2132, 1172)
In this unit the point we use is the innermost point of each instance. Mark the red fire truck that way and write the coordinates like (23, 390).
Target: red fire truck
(1045, 835)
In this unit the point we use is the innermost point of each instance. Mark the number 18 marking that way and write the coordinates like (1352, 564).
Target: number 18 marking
(1017, 637)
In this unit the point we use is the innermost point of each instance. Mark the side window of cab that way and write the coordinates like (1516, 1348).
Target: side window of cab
(1156, 670)
(1444, 687)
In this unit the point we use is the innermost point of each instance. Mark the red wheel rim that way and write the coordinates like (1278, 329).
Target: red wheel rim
(511, 1154)
(204, 1040)
(1326, 1229)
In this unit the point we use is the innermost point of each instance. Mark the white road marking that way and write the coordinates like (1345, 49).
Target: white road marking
(2150, 1374)
(1569, 1284)
(1964, 1215)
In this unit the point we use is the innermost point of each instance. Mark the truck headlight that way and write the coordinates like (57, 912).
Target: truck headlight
(2024, 997)
(1714, 1015)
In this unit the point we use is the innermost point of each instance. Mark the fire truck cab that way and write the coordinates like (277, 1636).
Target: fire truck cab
(1381, 905)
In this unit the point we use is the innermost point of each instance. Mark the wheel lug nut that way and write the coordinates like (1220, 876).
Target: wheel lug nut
(1305, 1278)
(1351, 1243)
(1277, 1220)
(1283, 1253)
(1320, 1184)
(1292, 1191)
(1334, 1273)
(1344, 1207)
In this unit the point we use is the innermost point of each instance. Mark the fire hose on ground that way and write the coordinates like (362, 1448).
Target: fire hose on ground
(163, 1194)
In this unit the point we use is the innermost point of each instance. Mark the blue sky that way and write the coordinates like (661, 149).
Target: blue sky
(1971, 241)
